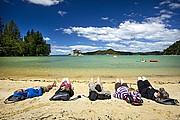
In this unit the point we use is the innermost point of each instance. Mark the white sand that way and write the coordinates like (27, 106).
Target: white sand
(83, 109)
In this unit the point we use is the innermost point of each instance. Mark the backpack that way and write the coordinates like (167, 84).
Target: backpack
(94, 96)
(12, 99)
(134, 100)
(103, 96)
(61, 95)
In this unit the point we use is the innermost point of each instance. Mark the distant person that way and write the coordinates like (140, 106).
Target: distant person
(122, 91)
(22, 94)
(65, 91)
(96, 91)
(143, 60)
(147, 91)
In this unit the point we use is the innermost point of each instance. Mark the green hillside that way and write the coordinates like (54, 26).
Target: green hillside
(174, 49)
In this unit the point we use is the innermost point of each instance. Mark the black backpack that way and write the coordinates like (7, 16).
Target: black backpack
(61, 95)
(95, 96)
(12, 99)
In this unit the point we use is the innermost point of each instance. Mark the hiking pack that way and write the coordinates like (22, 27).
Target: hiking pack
(61, 95)
(95, 96)
(12, 99)
(134, 100)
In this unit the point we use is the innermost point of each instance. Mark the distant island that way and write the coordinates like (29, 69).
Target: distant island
(171, 50)
(113, 52)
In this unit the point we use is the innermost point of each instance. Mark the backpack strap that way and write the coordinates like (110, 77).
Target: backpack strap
(77, 97)
(6, 101)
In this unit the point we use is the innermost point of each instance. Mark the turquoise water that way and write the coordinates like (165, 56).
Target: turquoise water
(90, 62)
(88, 65)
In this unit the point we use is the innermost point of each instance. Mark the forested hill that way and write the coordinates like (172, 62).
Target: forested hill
(174, 49)
(12, 44)
(113, 52)
(171, 50)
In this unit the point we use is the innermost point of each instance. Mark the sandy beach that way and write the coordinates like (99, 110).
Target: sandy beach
(41, 108)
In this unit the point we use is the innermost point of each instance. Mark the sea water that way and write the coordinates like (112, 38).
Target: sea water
(86, 66)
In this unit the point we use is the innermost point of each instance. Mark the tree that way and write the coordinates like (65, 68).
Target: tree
(35, 44)
(11, 43)
(12, 31)
(11, 40)
(1, 35)
(1, 26)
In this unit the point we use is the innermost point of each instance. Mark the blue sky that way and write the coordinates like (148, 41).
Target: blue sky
(90, 25)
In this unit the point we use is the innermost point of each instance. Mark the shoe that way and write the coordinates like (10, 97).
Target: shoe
(144, 78)
(117, 80)
(139, 78)
(98, 79)
(64, 79)
(91, 81)
(67, 80)
(176, 102)
(122, 81)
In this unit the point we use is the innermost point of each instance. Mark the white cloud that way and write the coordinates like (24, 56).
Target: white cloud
(68, 30)
(165, 12)
(149, 35)
(85, 48)
(116, 46)
(165, 2)
(156, 7)
(109, 19)
(165, 16)
(170, 4)
(62, 13)
(46, 38)
(65, 50)
(60, 47)
(60, 50)
(152, 29)
(45, 2)
(104, 18)
(138, 46)
(174, 5)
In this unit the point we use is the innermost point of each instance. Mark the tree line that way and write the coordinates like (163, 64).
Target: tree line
(12, 44)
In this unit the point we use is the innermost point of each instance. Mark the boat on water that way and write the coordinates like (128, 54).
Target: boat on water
(115, 56)
(153, 61)
(142, 60)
